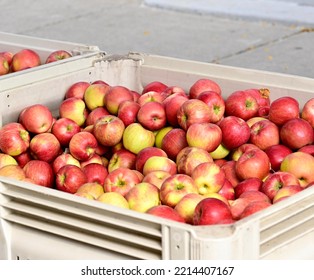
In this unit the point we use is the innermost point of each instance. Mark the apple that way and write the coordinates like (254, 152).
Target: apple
(108, 130)
(150, 96)
(121, 158)
(254, 120)
(100, 82)
(160, 134)
(218, 196)
(262, 96)
(6, 159)
(13, 171)
(173, 142)
(121, 180)
(235, 132)
(229, 168)
(23, 158)
(253, 163)
(85, 195)
(264, 134)
(186, 206)
(307, 149)
(94, 189)
(57, 55)
(95, 158)
(208, 177)
(172, 105)
(287, 191)
(69, 178)
(216, 104)
(145, 154)
(301, 165)
(307, 112)
(64, 129)
(14, 139)
(165, 212)
(115, 96)
(40, 172)
(220, 153)
(4, 66)
(136, 95)
(63, 159)
(24, 59)
(202, 85)
(254, 207)
(155, 163)
(8, 56)
(142, 197)
(212, 211)
(75, 109)
(127, 111)
(283, 109)
(77, 90)
(82, 145)
(36, 118)
(175, 187)
(249, 184)
(156, 177)
(94, 115)
(94, 95)
(154, 86)
(115, 199)
(95, 172)
(171, 90)
(241, 104)
(136, 137)
(276, 181)
(193, 111)
(252, 196)
(296, 133)
(227, 190)
(276, 154)
(190, 157)
(237, 206)
(152, 115)
(237, 152)
(45, 146)
(207, 136)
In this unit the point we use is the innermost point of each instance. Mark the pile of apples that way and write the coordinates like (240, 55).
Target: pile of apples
(26, 58)
(189, 156)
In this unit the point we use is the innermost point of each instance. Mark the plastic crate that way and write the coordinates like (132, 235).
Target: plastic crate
(14, 43)
(41, 223)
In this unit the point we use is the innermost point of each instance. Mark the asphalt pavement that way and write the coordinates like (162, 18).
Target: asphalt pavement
(271, 35)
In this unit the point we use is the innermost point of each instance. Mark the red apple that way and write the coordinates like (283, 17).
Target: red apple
(190, 157)
(69, 178)
(212, 211)
(122, 158)
(202, 85)
(166, 212)
(175, 187)
(253, 163)
(8, 56)
(237, 152)
(96, 114)
(127, 111)
(4, 66)
(154, 86)
(160, 134)
(172, 105)
(115, 96)
(307, 149)
(108, 130)
(296, 133)
(208, 177)
(145, 154)
(150, 96)
(227, 190)
(23, 158)
(36, 118)
(95, 158)
(237, 206)
(301, 165)
(94, 95)
(276, 154)
(24, 59)
(216, 104)
(57, 55)
(171, 90)
(249, 184)
(307, 112)
(14, 139)
(62, 160)
(264, 134)
(121, 180)
(95, 172)
(261, 95)
(207, 136)
(45, 146)
(287, 191)
(64, 129)
(82, 145)
(241, 104)
(152, 116)
(252, 196)
(155, 163)
(235, 132)
(276, 181)
(173, 142)
(77, 90)
(75, 109)
(40, 172)
(156, 177)
(136, 95)
(283, 109)
(254, 207)
(230, 172)
(193, 111)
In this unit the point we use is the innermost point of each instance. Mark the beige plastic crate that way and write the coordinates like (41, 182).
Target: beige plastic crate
(41, 223)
